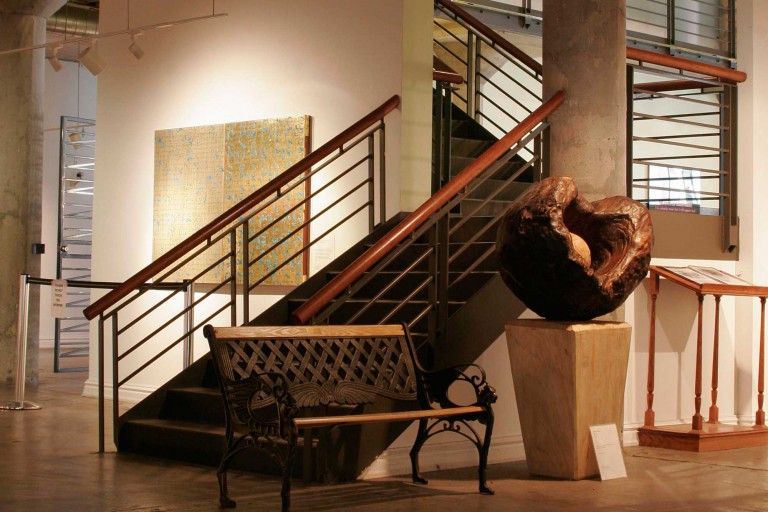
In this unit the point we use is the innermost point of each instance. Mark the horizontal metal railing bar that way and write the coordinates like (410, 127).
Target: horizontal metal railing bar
(176, 290)
(686, 136)
(303, 249)
(171, 320)
(471, 268)
(408, 299)
(684, 98)
(639, 116)
(309, 221)
(448, 50)
(502, 91)
(686, 168)
(699, 193)
(649, 180)
(312, 195)
(167, 349)
(376, 298)
(654, 159)
(203, 248)
(510, 78)
(93, 284)
(656, 140)
(519, 65)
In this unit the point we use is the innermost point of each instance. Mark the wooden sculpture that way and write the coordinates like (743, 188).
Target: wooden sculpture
(569, 259)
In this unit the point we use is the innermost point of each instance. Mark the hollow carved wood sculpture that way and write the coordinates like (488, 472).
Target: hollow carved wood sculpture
(569, 259)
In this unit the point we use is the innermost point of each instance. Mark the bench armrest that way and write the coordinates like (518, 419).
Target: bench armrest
(438, 382)
(262, 403)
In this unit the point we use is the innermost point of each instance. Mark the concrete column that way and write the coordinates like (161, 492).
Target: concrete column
(585, 55)
(22, 23)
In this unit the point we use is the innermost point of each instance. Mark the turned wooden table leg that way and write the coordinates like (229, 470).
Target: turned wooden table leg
(760, 415)
(650, 419)
(713, 409)
(698, 420)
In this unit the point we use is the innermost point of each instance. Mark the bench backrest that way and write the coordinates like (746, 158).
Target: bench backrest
(347, 365)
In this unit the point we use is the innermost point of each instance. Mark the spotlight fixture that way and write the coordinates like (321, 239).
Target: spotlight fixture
(91, 60)
(135, 49)
(54, 60)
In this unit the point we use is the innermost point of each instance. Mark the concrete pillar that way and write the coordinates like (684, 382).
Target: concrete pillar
(585, 55)
(22, 23)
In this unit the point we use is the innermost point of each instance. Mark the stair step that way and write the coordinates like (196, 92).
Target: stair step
(470, 148)
(470, 130)
(194, 404)
(473, 207)
(510, 192)
(173, 439)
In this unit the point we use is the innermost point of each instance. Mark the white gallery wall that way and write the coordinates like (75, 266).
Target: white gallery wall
(336, 60)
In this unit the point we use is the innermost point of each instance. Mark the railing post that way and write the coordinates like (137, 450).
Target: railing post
(371, 181)
(115, 379)
(671, 24)
(443, 239)
(21, 350)
(630, 126)
(102, 397)
(233, 271)
(446, 135)
(728, 184)
(472, 52)
(382, 174)
(246, 273)
(189, 324)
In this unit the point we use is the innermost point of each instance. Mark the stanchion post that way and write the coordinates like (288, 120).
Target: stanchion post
(21, 350)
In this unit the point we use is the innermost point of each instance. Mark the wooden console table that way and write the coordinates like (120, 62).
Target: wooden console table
(700, 435)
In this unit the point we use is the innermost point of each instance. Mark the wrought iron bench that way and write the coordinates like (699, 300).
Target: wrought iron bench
(270, 375)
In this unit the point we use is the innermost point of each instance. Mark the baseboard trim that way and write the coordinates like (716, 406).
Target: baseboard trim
(131, 394)
(450, 455)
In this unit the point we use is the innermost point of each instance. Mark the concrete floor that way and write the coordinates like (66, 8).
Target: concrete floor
(49, 461)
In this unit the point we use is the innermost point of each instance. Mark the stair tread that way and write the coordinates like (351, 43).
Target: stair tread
(187, 426)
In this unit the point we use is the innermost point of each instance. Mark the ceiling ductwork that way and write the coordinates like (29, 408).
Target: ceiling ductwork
(75, 19)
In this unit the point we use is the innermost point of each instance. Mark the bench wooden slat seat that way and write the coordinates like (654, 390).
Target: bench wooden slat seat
(273, 378)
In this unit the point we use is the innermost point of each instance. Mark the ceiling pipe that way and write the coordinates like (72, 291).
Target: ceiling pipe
(74, 20)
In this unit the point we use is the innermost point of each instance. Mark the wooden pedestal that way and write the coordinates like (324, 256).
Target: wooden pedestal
(567, 377)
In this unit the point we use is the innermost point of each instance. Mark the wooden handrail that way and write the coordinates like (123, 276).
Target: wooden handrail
(222, 221)
(730, 76)
(408, 225)
(491, 34)
(442, 72)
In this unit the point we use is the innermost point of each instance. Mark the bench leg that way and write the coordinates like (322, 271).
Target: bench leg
(483, 452)
(221, 475)
(421, 437)
(285, 491)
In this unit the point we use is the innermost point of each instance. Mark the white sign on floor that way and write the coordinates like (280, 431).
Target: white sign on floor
(610, 461)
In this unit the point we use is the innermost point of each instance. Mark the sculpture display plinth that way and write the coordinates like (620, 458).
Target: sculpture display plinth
(567, 376)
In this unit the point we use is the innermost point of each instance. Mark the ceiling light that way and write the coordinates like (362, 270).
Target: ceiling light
(135, 49)
(91, 59)
(54, 60)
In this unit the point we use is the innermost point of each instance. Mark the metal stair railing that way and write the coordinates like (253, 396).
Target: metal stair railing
(142, 326)
(428, 299)
(502, 84)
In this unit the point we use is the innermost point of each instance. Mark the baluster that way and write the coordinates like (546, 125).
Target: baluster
(371, 181)
(650, 418)
(760, 415)
(713, 409)
(698, 421)
(382, 174)
(233, 272)
(246, 272)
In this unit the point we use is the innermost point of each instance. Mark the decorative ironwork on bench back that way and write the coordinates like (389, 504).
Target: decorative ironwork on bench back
(335, 370)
